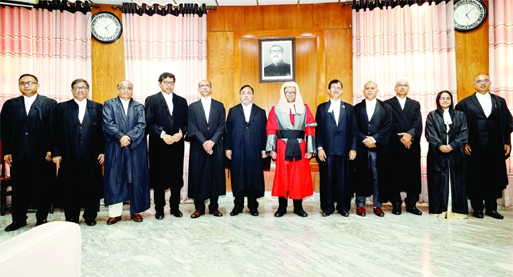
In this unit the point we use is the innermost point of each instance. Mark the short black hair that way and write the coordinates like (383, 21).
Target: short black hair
(335, 81)
(166, 75)
(79, 80)
(247, 86)
(29, 75)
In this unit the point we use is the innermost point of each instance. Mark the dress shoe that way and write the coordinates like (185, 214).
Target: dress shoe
(413, 210)
(494, 214)
(15, 225)
(235, 211)
(176, 213)
(41, 221)
(300, 212)
(253, 212)
(215, 213)
(136, 217)
(197, 214)
(396, 210)
(478, 214)
(344, 213)
(280, 213)
(90, 221)
(113, 220)
(326, 213)
(361, 211)
(159, 215)
(379, 212)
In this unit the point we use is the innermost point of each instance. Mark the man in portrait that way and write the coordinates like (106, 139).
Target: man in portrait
(278, 67)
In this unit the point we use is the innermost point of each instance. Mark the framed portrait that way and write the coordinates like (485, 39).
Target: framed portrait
(277, 59)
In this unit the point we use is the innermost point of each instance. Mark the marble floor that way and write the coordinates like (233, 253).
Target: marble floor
(405, 245)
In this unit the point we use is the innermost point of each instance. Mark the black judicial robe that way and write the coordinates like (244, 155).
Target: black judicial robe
(379, 127)
(487, 174)
(403, 165)
(206, 172)
(66, 128)
(166, 161)
(246, 140)
(125, 165)
(28, 138)
(442, 165)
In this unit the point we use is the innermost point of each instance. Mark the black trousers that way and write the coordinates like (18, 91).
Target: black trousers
(200, 205)
(81, 190)
(239, 201)
(160, 201)
(333, 185)
(489, 203)
(283, 203)
(29, 189)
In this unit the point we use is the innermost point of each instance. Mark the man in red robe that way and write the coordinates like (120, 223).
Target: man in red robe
(291, 143)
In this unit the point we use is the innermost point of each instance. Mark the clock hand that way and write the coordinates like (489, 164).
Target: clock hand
(469, 12)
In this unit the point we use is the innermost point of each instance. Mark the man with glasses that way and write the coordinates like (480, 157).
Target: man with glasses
(278, 67)
(27, 149)
(403, 150)
(206, 169)
(78, 151)
(166, 124)
(126, 163)
(489, 145)
(245, 148)
(336, 145)
(291, 143)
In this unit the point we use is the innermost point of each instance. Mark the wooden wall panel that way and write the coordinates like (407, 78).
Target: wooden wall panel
(339, 62)
(108, 63)
(220, 67)
(471, 57)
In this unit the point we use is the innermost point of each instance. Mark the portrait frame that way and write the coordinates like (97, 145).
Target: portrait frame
(285, 69)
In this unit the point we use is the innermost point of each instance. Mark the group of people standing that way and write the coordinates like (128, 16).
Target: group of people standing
(372, 148)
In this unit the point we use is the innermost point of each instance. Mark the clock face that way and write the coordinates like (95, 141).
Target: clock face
(468, 15)
(106, 27)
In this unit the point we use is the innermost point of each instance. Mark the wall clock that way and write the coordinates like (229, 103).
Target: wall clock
(469, 15)
(106, 27)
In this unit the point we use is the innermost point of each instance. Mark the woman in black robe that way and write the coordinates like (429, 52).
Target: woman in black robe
(446, 133)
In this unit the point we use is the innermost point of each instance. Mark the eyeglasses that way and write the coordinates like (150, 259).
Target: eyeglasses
(445, 98)
(204, 86)
(29, 83)
(336, 88)
(167, 83)
(125, 88)
(290, 93)
(485, 81)
(80, 88)
(276, 51)
(402, 85)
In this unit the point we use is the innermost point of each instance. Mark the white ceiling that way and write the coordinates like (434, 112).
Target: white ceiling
(216, 3)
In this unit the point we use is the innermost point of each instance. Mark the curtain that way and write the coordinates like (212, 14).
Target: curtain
(51, 41)
(393, 40)
(501, 64)
(166, 39)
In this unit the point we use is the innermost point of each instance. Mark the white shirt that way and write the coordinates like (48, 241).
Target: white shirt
(81, 109)
(125, 105)
(29, 101)
(335, 109)
(402, 101)
(206, 102)
(169, 101)
(292, 108)
(247, 111)
(486, 102)
(371, 107)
